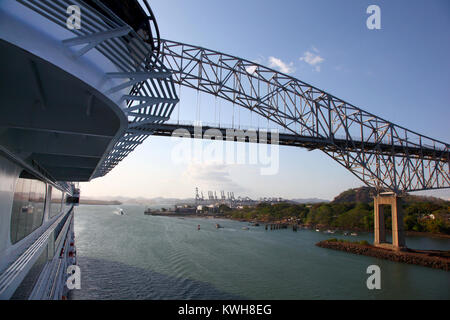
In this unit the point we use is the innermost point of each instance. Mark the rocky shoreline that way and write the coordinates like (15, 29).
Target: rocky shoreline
(427, 258)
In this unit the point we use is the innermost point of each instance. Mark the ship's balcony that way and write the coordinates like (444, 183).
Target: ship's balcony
(66, 93)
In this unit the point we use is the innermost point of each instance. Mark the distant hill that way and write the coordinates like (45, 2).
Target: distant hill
(412, 198)
(310, 200)
(362, 194)
(365, 195)
(175, 201)
(158, 201)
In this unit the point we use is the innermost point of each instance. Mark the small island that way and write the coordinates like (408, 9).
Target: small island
(179, 211)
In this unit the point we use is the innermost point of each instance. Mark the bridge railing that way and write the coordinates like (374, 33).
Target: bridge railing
(385, 141)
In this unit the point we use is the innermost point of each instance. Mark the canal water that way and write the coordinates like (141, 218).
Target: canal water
(135, 256)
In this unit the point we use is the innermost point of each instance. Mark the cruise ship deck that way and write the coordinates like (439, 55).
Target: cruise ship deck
(71, 99)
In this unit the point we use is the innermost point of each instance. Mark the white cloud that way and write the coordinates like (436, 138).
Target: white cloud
(280, 65)
(251, 69)
(313, 59)
(214, 176)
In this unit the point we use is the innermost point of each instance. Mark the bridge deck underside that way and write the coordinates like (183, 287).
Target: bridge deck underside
(286, 139)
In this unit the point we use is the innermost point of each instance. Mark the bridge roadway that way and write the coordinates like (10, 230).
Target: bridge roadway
(295, 140)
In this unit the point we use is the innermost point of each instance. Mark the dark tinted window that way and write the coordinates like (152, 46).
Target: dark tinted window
(56, 202)
(28, 206)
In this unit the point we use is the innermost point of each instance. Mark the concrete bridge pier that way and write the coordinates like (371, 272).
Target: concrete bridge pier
(398, 235)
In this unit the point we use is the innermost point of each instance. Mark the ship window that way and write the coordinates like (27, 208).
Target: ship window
(28, 206)
(55, 202)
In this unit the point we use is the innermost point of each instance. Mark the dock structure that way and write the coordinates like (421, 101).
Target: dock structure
(228, 199)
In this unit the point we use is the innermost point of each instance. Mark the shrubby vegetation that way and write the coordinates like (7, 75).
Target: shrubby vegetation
(423, 216)
(363, 242)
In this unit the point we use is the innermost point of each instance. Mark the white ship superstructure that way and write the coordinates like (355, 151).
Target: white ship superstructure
(73, 97)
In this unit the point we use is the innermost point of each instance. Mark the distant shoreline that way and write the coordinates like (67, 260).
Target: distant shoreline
(179, 215)
(100, 202)
(310, 227)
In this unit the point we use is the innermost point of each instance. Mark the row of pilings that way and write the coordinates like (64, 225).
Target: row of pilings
(278, 226)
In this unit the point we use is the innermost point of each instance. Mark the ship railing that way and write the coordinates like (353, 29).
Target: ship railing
(49, 243)
(153, 27)
(152, 97)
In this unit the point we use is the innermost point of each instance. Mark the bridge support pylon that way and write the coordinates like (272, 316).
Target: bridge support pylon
(398, 235)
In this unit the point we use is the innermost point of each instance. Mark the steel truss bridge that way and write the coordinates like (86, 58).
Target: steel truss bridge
(383, 155)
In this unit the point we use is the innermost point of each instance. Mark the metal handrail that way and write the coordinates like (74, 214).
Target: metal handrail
(134, 13)
(16, 268)
(130, 54)
(152, 21)
(282, 130)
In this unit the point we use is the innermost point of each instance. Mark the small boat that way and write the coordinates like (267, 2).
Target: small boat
(353, 234)
(218, 226)
(245, 228)
(346, 233)
(317, 230)
(329, 231)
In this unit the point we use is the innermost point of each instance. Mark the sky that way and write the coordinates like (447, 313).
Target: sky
(400, 72)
